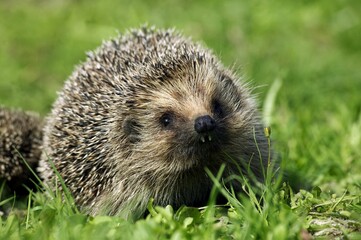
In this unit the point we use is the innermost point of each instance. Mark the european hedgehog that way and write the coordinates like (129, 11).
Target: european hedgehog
(143, 117)
(20, 140)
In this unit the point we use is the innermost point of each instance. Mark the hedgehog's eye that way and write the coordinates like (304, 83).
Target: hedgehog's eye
(217, 108)
(166, 119)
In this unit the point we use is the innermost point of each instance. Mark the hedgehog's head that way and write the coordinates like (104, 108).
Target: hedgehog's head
(191, 116)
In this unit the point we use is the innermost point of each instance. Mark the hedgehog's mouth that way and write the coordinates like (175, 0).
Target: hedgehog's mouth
(199, 146)
(206, 144)
(205, 127)
(206, 138)
(202, 143)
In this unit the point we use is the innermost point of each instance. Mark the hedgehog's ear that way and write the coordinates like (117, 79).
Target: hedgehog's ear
(131, 129)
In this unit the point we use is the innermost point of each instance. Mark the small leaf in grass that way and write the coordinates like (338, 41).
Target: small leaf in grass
(345, 213)
(188, 212)
(267, 131)
(187, 221)
(316, 191)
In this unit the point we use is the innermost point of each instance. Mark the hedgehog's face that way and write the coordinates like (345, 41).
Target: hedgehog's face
(192, 119)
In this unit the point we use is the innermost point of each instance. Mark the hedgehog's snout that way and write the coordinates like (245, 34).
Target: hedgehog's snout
(204, 126)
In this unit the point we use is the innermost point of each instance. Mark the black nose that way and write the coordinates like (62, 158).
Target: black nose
(204, 124)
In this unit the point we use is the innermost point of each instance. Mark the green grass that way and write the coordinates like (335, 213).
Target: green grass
(312, 48)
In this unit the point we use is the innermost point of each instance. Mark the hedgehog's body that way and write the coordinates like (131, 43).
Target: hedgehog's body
(142, 118)
(20, 140)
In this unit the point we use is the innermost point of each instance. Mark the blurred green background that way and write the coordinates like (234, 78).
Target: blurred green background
(313, 47)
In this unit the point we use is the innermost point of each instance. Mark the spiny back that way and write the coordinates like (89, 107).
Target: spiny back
(20, 140)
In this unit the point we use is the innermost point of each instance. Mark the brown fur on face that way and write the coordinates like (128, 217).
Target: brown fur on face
(123, 129)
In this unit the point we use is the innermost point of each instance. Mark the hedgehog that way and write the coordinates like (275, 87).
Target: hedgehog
(20, 141)
(143, 117)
